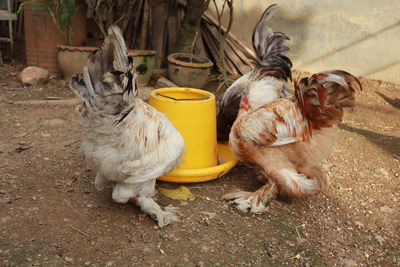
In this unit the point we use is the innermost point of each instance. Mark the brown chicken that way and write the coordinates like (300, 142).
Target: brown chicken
(287, 138)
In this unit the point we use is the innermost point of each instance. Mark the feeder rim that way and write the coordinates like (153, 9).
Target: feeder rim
(182, 99)
(159, 94)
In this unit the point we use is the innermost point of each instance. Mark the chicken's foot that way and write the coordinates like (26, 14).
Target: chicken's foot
(163, 217)
(124, 192)
(253, 201)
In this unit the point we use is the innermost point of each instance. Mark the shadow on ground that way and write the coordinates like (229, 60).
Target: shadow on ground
(386, 142)
(395, 102)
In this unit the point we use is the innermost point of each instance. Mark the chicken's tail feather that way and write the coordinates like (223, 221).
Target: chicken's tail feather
(108, 79)
(323, 96)
(271, 47)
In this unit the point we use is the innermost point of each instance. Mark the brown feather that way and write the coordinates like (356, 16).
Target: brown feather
(323, 96)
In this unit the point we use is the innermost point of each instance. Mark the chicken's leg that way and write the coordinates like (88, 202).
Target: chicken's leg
(305, 181)
(149, 206)
(140, 194)
(315, 173)
(100, 182)
(253, 201)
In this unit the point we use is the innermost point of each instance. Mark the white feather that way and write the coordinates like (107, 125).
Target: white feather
(143, 147)
(126, 141)
(298, 182)
(235, 90)
(265, 91)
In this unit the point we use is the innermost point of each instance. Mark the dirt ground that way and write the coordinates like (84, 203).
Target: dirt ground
(51, 214)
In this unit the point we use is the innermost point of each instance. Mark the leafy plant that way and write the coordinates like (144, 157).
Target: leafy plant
(61, 12)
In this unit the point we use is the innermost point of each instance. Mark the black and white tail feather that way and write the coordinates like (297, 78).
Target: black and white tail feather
(271, 47)
(107, 85)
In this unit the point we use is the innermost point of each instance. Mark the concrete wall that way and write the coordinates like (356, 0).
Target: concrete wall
(360, 36)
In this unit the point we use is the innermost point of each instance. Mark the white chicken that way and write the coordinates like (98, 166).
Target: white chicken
(127, 142)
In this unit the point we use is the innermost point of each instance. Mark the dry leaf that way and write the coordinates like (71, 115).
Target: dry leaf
(180, 193)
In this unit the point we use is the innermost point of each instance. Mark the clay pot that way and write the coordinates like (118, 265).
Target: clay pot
(189, 70)
(144, 64)
(42, 37)
(72, 59)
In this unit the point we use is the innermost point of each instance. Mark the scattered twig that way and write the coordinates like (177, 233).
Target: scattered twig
(160, 249)
(79, 231)
(70, 143)
(70, 101)
(55, 98)
(144, 240)
(69, 183)
(5, 100)
(35, 128)
(297, 231)
(22, 148)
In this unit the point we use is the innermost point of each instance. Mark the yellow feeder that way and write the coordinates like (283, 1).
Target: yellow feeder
(192, 111)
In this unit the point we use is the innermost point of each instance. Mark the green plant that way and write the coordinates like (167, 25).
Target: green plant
(61, 12)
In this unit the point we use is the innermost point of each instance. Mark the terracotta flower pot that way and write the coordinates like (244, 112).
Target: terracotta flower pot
(72, 59)
(189, 70)
(144, 64)
(42, 37)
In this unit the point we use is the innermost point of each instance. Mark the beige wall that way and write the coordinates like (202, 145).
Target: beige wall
(360, 36)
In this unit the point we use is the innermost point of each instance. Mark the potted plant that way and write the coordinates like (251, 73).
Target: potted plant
(49, 23)
(189, 70)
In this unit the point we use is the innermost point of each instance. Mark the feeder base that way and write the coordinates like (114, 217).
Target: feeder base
(204, 174)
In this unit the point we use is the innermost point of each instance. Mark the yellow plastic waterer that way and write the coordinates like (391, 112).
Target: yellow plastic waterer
(193, 113)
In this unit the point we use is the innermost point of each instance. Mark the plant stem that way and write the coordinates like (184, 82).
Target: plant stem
(225, 80)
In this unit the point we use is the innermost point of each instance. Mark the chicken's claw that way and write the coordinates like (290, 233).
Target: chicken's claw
(245, 201)
(252, 201)
(163, 217)
(168, 216)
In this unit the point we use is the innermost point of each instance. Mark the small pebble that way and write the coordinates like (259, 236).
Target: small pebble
(68, 259)
(205, 249)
